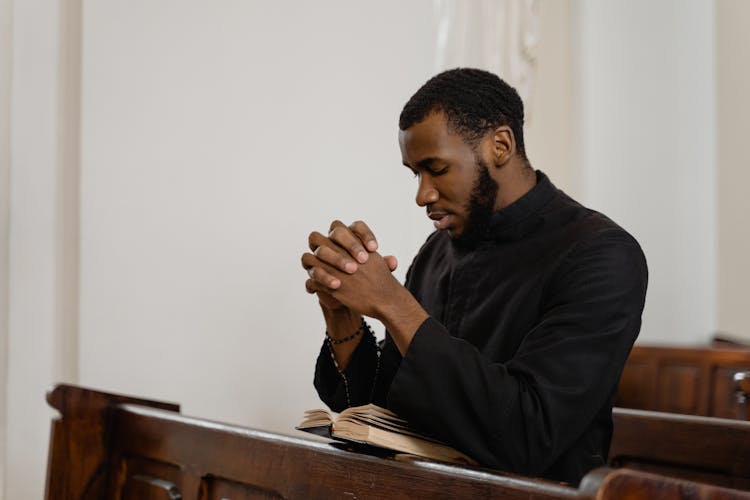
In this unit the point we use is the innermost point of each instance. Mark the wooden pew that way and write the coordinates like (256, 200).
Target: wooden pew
(742, 394)
(710, 450)
(108, 446)
(694, 381)
(628, 484)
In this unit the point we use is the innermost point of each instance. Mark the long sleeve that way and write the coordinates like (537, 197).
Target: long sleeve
(352, 386)
(527, 413)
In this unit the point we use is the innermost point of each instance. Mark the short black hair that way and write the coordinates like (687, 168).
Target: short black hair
(475, 102)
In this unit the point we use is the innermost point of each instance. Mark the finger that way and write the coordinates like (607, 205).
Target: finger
(331, 253)
(315, 239)
(320, 271)
(312, 286)
(339, 260)
(336, 223)
(365, 235)
(342, 236)
(322, 277)
(391, 261)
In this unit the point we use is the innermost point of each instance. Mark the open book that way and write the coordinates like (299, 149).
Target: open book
(376, 426)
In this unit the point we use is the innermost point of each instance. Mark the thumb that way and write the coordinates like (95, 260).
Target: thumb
(391, 261)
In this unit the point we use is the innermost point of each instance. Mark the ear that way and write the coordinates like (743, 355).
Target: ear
(503, 144)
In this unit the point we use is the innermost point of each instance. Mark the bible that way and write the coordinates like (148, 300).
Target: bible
(372, 425)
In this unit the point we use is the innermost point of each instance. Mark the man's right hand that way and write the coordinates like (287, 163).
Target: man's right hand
(343, 249)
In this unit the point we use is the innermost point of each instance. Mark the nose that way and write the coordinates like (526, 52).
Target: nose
(426, 192)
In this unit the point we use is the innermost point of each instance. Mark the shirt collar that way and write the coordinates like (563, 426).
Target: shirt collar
(522, 216)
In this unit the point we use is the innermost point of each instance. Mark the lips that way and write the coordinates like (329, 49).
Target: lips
(441, 219)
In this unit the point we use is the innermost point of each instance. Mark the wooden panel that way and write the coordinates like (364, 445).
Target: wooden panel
(630, 484)
(742, 388)
(723, 397)
(637, 389)
(80, 436)
(696, 381)
(678, 388)
(143, 487)
(692, 447)
(224, 489)
(144, 476)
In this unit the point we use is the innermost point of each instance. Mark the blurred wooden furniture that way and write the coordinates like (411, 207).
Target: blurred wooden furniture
(704, 449)
(694, 381)
(108, 446)
(742, 394)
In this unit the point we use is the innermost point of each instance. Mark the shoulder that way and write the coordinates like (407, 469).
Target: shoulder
(606, 260)
(586, 227)
(593, 240)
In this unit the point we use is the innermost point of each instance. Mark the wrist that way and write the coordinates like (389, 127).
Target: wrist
(344, 332)
(341, 322)
(363, 328)
(402, 316)
(400, 300)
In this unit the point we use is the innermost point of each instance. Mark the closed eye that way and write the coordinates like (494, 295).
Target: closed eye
(437, 173)
(429, 165)
(432, 173)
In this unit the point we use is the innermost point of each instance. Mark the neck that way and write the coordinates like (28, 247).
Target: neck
(516, 183)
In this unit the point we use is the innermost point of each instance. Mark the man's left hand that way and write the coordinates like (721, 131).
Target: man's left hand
(368, 290)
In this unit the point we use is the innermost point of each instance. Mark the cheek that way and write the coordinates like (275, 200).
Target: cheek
(458, 191)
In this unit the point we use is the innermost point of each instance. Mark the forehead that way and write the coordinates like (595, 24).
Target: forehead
(431, 138)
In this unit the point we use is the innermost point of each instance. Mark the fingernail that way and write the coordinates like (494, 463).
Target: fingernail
(372, 245)
(335, 283)
(362, 257)
(350, 267)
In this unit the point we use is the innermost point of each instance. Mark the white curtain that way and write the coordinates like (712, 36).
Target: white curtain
(496, 35)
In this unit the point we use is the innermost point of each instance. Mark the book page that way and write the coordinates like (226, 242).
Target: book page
(316, 418)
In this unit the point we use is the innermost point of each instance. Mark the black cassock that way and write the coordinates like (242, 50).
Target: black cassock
(528, 333)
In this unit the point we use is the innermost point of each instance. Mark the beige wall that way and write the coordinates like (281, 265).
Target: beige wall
(5, 79)
(213, 138)
(551, 134)
(646, 115)
(733, 128)
(40, 340)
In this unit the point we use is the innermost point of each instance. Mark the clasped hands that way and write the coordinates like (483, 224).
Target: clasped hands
(350, 278)
(346, 271)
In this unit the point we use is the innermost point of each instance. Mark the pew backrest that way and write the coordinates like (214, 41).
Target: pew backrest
(139, 449)
(694, 381)
(712, 450)
(109, 446)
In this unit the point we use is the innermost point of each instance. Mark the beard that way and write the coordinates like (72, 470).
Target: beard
(480, 208)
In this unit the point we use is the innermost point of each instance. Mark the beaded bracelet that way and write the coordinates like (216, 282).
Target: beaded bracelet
(362, 327)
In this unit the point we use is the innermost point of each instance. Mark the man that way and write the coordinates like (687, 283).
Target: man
(510, 335)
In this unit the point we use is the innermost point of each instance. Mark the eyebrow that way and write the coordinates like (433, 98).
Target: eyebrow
(425, 163)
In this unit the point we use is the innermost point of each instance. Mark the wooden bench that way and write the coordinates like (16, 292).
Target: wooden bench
(711, 450)
(109, 446)
(694, 381)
